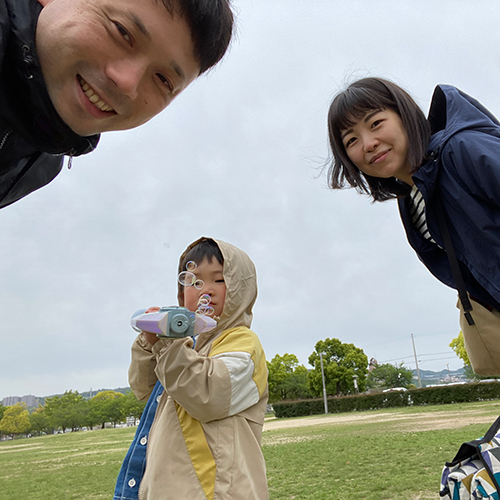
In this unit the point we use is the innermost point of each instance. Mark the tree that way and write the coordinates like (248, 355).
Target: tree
(67, 411)
(40, 422)
(2, 411)
(387, 376)
(132, 406)
(108, 406)
(15, 420)
(341, 362)
(287, 379)
(458, 346)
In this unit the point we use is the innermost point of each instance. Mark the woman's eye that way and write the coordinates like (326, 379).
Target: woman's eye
(376, 123)
(165, 81)
(349, 142)
(124, 33)
(220, 281)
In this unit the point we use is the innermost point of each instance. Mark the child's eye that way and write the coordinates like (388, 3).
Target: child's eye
(123, 33)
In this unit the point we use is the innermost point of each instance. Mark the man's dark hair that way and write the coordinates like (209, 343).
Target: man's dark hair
(211, 26)
(350, 106)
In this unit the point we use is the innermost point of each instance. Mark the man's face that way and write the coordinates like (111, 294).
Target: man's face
(112, 64)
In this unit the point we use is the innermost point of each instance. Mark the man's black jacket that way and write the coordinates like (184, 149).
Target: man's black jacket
(33, 138)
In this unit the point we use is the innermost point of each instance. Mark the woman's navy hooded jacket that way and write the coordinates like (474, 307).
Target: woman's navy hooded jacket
(464, 171)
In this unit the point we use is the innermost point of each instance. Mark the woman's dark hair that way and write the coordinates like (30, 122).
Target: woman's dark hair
(350, 106)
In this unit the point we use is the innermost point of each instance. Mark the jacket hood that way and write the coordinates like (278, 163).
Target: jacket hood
(452, 111)
(241, 288)
(25, 104)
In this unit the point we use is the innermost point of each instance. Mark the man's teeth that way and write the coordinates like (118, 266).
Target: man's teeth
(93, 97)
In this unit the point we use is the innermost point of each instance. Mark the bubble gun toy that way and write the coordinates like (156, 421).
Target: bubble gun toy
(172, 322)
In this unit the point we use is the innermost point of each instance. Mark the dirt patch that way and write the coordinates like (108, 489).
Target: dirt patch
(423, 421)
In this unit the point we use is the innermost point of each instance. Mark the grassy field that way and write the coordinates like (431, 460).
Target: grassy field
(380, 455)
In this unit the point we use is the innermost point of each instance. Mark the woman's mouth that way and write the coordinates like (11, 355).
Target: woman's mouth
(379, 157)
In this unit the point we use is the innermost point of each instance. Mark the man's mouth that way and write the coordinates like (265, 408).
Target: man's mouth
(93, 96)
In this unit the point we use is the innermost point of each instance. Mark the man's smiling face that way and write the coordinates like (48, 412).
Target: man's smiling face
(112, 64)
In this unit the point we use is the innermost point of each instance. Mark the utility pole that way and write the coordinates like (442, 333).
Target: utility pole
(323, 378)
(416, 361)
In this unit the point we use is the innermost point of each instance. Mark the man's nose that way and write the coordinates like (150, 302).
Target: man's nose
(126, 75)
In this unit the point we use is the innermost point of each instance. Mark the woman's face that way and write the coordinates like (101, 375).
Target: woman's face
(378, 145)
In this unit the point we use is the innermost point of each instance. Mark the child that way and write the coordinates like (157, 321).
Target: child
(383, 146)
(208, 395)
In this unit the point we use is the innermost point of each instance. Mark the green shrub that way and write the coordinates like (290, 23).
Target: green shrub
(462, 393)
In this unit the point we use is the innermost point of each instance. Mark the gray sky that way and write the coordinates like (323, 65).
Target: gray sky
(238, 157)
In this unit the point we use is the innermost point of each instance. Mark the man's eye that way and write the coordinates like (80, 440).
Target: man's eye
(123, 32)
(165, 81)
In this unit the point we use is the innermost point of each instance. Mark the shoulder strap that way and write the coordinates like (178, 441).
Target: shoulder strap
(452, 259)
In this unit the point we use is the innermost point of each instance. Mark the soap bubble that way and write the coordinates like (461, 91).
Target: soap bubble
(204, 300)
(191, 266)
(187, 278)
(198, 284)
(203, 307)
(208, 311)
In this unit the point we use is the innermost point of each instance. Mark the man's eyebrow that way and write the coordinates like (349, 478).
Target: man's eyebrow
(177, 69)
(140, 25)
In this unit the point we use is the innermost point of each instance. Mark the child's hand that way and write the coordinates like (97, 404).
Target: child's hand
(151, 338)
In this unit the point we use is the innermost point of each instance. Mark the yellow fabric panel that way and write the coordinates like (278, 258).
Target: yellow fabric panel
(466, 482)
(483, 474)
(242, 339)
(199, 451)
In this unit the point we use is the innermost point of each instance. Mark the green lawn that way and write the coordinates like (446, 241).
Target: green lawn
(390, 454)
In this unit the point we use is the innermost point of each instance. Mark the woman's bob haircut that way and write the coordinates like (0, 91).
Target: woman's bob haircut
(352, 105)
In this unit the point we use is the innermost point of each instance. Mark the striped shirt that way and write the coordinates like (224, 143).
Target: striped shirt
(417, 213)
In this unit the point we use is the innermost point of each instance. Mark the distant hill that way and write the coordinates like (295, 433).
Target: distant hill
(429, 377)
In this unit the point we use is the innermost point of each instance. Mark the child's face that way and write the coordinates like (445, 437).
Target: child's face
(378, 145)
(211, 274)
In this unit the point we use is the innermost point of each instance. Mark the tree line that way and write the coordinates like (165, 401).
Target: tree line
(346, 371)
(345, 367)
(70, 411)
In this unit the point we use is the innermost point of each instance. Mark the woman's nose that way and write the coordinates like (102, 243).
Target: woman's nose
(370, 143)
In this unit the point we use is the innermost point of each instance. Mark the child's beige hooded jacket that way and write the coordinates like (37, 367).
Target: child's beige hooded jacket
(205, 440)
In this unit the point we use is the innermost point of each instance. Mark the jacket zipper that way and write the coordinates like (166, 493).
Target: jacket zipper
(4, 139)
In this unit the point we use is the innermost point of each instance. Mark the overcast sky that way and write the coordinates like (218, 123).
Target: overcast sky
(238, 157)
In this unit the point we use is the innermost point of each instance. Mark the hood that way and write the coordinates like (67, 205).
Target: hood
(452, 111)
(24, 100)
(241, 289)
